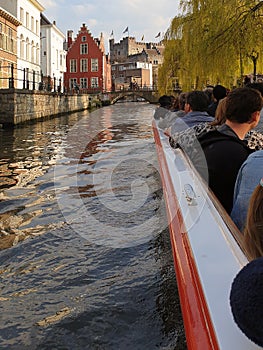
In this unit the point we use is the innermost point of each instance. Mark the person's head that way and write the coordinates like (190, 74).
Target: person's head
(257, 86)
(246, 300)
(219, 92)
(220, 114)
(181, 100)
(209, 91)
(175, 103)
(243, 105)
(165, 101)
(253, 232)
(196, 101)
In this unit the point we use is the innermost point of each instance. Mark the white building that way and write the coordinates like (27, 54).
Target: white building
(28, 40)
(53, 55)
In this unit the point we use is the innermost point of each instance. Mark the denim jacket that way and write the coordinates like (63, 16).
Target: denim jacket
(189, 120)
(248, 178)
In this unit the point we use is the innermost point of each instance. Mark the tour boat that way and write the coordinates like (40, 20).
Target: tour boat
(207, 252)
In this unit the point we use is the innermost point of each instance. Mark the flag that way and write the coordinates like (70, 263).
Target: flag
(126, 30)
(142, 38)
(111, 33)
(159, 34)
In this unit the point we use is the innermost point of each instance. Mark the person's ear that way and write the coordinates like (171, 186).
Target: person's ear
(255, 118)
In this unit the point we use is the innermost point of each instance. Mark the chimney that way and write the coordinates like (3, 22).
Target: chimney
(70, 35)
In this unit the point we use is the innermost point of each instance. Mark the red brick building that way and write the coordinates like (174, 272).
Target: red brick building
(8, 48)
(88, 68)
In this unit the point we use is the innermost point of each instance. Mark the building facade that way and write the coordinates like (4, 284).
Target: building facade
(8, 49)
(88, 68)
(129, 50)
(28, 44)
(53, 55)
(131, 75)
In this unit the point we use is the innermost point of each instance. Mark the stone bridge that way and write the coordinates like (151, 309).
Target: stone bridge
(151, 96)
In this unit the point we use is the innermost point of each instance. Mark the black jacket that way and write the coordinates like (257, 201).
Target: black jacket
(223, 155)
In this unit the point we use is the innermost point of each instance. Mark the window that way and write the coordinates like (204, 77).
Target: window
(32, 52)
(94, 65)
(27, 20)
(83, 83)
(10, 41)
(72, 83)
(83, 38)
(27, 49)
(83, 49)
(37, 29)
(83, 65)
(32, 23)
(22, 15)
(94, 82)
(22, 46)
(73, 66)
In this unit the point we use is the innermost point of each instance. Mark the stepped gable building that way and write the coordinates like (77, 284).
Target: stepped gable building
(8, 48)
(88, 67)
(128, 50)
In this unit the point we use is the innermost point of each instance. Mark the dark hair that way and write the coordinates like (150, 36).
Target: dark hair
(219, 92)
(181, 100)
(198, 100)
(246, 298)
(165, 101)
(257, 86)
(241, 103)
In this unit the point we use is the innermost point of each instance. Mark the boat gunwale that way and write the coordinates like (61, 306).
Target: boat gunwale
(201, 327)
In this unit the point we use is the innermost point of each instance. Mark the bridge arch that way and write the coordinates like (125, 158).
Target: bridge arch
(151, 96)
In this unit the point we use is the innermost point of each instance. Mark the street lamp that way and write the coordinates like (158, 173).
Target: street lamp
(254, 58)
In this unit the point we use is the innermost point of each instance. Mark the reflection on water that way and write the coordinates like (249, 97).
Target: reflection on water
(96, 270)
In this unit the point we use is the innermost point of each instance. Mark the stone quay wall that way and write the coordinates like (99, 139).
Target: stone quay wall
(20, 106)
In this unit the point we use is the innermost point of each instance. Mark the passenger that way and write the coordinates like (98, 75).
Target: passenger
(253, 232)
(165, 104)
(195, 108)
(246, 300)
(258, 86)
(209, 91)
(219, 92)
(187, 139)
(224, 148)
(170, 117)
(248, 178)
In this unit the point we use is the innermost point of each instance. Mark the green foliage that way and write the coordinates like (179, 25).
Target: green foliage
(212, 42)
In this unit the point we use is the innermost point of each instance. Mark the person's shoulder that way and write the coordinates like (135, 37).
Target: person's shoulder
(223, 142)
(254, 140)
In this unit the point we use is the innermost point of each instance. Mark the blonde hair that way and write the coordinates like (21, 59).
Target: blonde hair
(253, 232)
(220, 115)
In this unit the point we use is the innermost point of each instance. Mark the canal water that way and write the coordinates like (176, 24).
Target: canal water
(90, 264)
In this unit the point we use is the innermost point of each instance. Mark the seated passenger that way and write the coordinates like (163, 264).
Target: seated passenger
(253, 232)
(166, 122)
(219, 92)
(187, 139)
(195, 108)
(224, 149)
(246, 300)
(165, 104)
(248, 178)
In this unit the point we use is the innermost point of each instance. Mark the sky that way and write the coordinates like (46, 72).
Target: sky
(144, 18)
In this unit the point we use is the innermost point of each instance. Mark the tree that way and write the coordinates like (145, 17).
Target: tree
(213, 42)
